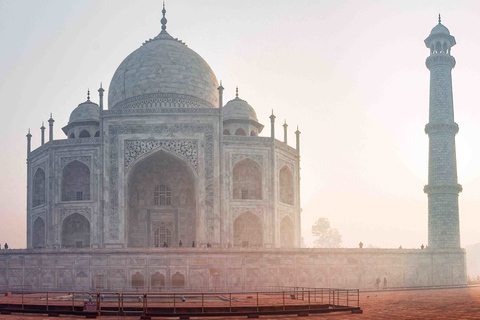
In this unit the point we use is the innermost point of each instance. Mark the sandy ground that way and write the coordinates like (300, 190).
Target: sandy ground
(458, 303)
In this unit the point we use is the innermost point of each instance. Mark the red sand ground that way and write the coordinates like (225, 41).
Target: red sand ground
(458, 303)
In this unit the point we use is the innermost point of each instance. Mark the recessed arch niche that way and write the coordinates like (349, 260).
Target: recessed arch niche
(75, 231)
(145, 214)
(38, 234)
(287, 233)
(247, 231)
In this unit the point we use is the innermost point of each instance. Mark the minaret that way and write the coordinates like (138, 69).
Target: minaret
(285, 126)
(220, 95)
(29, 143)
(272, 125)
(50, 124)
(42, 129)
(297, 134)
(443, 187)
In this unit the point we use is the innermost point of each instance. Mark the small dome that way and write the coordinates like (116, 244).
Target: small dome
(439, 28)
(239, 109)
(86, 111)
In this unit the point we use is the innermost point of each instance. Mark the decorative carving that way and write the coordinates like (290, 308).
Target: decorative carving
(454, 188)
(185, 148)
(283, 213)
(282, 162)
(236, 158)
(164, 100)
(40, 166)
(65, 212)
(63, 142)
(258, 211)
(441, 127)
(66, 160)
(444, 59)
(116, 130)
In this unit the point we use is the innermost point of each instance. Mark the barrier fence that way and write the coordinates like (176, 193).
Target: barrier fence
(288, 300)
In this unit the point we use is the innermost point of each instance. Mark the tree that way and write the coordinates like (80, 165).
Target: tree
(326, 236)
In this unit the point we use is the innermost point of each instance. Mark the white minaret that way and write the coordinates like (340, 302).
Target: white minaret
(443, 187)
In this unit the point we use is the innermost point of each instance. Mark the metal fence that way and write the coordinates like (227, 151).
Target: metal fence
(287, 300)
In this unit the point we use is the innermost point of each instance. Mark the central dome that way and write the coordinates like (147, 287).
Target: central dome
(163, 72)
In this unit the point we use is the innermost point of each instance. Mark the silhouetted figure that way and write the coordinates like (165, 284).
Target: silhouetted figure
(360, 245)
(182, 298)
(384, 282)
(400, 247)
(6, 245)
(165, 245)
(377, 283)
(180, 243)
(422, 246)
(209, 245)
(193, 244)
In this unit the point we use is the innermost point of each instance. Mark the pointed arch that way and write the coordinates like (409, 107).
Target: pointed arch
(287, 233)
(138, 280)
(38, 234)
(75, 231)
(247, 230)
(38, 188)
(178, 280)
(247, 180)
(71, 136)
(160, 181)
(226, 132)
(287, 194)
(97, 134)
(240, 132)
(84, 134)
(75, 182)
(157, 280)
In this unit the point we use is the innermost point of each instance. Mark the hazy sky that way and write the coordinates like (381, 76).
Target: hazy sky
(351, 74)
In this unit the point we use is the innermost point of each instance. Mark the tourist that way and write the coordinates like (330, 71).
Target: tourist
(377, 283)
(384, 282)
(360, 245)
(422, 247)
(180, 243)
(165, 245)
(193, 244)
(209, 245)
(6, 245)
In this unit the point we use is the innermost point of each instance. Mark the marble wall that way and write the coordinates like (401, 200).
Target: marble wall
(226, 269)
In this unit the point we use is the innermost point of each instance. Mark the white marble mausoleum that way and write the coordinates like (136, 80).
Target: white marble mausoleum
(167, 162)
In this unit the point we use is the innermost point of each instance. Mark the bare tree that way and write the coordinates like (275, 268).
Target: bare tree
(325, 236)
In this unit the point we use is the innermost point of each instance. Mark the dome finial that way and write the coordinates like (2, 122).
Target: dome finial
(236, 94)
(439, 18)
(88, 94)
(164, 20)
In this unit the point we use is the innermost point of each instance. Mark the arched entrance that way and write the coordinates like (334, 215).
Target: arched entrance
(38, 188)
(75, 182)
(247, 231)
(75, 232)
(287, 238)
(38, 234)
(161, 201)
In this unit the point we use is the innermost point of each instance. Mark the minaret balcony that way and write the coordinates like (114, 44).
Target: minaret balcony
(440, 59)
(452, 189)
(441, 127)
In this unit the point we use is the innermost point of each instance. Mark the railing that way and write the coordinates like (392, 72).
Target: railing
(288, 300)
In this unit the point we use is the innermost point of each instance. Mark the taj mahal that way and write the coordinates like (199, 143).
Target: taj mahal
(168, 186)
(167, 162)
